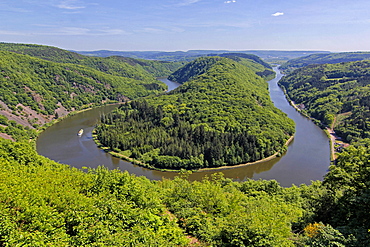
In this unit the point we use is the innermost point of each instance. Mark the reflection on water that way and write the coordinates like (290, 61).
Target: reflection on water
(307, 158)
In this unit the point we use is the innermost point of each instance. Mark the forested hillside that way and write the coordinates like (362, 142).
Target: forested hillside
(191, 70)
(336, 94)
(324, 58)
(222, 116)
(120, 66)
(33, 91)
(253, 62)
(155, 68)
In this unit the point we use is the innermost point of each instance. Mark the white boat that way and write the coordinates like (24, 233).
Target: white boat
(80, 132)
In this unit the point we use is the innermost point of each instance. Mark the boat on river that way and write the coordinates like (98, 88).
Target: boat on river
(80, 132)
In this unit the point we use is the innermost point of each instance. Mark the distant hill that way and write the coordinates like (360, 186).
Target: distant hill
(253, 62)
(324, 58)
(221, 115)
(267, 55)
(128, 67)
(201, 65)
(237, 57)
(155, 68)
(336, 94)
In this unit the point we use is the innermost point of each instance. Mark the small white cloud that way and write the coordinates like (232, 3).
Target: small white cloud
(278, 14)
(151, 30)
(188, 2)
(69, 4)
(230, 1)
(72, 31)
(112, 31)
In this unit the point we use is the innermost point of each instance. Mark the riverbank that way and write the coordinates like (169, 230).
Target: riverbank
(70, 114)
(275, 155)
(330, 132)
(139, 163)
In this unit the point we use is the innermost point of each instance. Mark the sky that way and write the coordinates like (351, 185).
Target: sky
(181, 25)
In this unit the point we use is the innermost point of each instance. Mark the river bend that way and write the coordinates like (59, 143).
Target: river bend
(306, 159)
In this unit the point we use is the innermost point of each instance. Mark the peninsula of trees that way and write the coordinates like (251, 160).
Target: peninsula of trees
(221, 116)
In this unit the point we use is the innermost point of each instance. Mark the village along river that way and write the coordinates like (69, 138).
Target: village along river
(307, 157)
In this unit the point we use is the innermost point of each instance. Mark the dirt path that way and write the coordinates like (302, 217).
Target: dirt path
(333, 138)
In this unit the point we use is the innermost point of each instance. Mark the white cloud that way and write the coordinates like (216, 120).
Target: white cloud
(51, 30)
(230, 1)
(85, 31)
(111, 32)
(70, 5)
(71, 31)
(188, 2)
(278, 14)
(152, 30)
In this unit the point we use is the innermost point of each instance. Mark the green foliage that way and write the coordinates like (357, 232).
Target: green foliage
(191, 70)
(321, 235)
(253, 62)
(222, 117)
(218, 212)
(201, 65)
(43, 203)
(41, 85)
(155, 68)
(349, 190)
(336, 94)
(47, 204)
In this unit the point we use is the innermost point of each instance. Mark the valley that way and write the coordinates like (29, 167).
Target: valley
(83, 196)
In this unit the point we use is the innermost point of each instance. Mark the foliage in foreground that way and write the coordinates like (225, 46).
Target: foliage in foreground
(43, 203)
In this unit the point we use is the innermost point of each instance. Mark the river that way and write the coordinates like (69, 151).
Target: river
(306, 159)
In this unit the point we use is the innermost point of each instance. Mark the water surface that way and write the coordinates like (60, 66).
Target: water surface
(306, 159)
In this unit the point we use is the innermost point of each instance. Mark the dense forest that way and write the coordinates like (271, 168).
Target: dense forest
(335, 94)
(253, 62)
(323, 58)
(222, 116)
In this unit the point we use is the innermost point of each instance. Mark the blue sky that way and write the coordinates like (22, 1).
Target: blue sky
(170, 25)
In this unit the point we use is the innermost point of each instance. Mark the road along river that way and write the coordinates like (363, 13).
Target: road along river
(306, 159)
